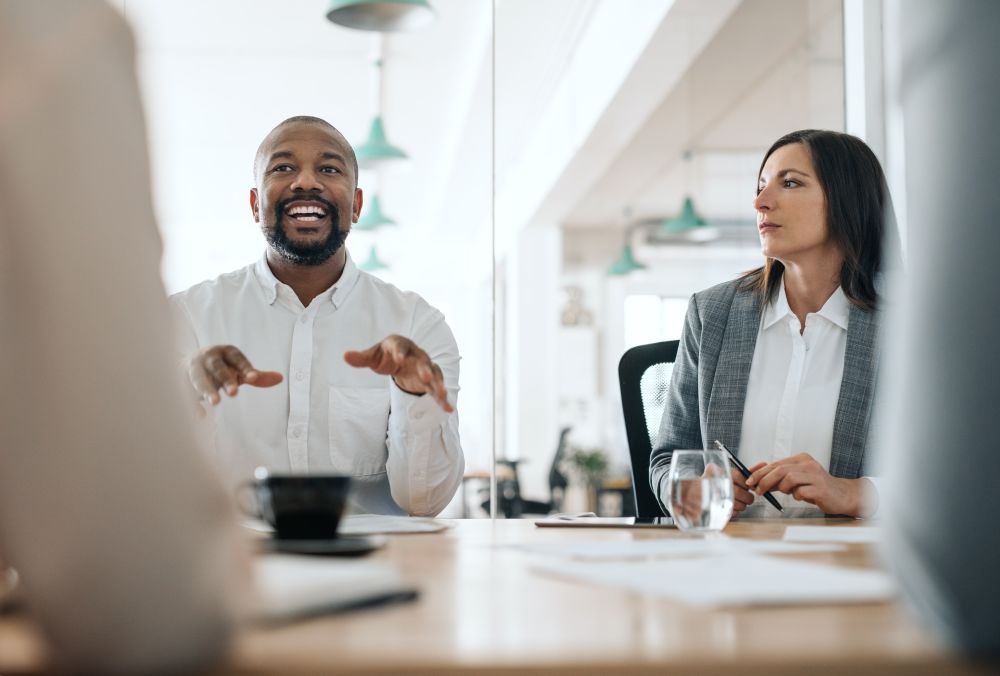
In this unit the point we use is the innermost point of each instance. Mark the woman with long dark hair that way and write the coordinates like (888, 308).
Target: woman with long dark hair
(780, 364)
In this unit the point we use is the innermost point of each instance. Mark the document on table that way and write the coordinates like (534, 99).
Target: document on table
(372, 524)
(369, 524)
(854, 534)
(293, 587)
(604, 550)
(738, 580)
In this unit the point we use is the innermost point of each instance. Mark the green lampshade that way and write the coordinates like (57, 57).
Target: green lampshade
(372, 216)
(377, 151)
(372, 263)
(626, 263)
(687, 220)
(380, 15)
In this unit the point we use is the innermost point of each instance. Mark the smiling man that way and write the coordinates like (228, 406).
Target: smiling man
(336, 370)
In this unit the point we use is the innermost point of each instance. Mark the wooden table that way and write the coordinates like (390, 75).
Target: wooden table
(483, 610)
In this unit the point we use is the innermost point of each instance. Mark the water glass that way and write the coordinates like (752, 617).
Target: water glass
(701, 490)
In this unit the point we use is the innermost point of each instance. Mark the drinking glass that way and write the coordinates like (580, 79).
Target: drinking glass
(701, 490)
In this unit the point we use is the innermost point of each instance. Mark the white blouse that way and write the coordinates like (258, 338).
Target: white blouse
(793, 389)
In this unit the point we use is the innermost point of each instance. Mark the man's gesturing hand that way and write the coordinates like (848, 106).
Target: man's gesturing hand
(409, 366)
(224, 367)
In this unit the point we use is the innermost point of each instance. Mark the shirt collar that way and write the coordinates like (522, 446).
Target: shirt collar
(777, 309)
(836, 309)
(336, 294)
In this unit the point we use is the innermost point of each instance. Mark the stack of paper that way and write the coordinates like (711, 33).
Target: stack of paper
(743, 579)
(371, 524)
(856, 534)
(603, 550)
(292, 587)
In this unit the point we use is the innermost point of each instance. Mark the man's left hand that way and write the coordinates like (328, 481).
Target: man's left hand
(409, 366)
(805, 479)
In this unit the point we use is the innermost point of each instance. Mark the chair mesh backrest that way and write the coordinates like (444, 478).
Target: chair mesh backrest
(653, 386)
(644, 374)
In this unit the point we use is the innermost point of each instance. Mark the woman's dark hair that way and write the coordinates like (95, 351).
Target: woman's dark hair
(859, 213)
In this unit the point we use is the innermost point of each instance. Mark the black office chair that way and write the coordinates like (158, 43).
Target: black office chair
(644, 373)
(512, 505)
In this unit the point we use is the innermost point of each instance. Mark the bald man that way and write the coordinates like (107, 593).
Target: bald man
(335, 370)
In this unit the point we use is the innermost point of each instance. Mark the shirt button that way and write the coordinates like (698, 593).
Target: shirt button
(418, 415)
(300, 375)
(304, 319)
(297, 433)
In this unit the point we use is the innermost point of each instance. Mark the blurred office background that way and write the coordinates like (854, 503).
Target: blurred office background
(577, 169)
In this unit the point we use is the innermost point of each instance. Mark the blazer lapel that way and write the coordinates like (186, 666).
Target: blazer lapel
(724, 418)
(857, 389)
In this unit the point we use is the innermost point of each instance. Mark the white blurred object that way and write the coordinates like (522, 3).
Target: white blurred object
(293, 587)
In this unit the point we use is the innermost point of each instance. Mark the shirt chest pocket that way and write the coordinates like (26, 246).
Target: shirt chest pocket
(359, 421)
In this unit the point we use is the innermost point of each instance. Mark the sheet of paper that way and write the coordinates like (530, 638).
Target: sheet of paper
(862, 534)
(368, 524)
(738, 580)
(291, 587)
(679, 547)
(372, 524)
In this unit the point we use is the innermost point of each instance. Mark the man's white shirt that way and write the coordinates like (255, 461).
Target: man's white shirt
(403, 451)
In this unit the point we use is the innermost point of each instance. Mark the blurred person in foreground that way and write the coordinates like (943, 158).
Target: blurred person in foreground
(366, 375)
(779, 365)
(940, 435)
(127, 551)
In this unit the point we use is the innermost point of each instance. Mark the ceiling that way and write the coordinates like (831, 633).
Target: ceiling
(217, 76)
(586, 109)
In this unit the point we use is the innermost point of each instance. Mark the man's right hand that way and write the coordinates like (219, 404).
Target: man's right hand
(224, 367)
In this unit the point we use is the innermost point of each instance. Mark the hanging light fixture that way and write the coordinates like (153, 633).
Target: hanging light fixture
(377, 152)
(372, 263)
(687, 220)
(380, 15)
(626, 262)
(687, 226)
(373, 217)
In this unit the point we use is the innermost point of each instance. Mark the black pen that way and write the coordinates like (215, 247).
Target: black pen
(746, 473)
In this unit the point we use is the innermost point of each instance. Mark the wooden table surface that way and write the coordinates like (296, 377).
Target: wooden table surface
(483, 610)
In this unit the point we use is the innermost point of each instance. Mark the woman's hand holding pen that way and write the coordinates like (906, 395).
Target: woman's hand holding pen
(805, 479)
(742, 497)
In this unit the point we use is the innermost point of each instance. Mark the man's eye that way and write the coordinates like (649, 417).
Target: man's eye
(329, 170)
(282, 167)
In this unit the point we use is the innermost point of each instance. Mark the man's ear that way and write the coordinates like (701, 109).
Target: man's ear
(254, 206)
(359, 199)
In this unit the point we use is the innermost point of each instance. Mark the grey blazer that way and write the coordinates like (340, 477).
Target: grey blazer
(709, 382)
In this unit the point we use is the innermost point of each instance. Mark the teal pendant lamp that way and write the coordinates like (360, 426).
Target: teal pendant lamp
(626, 262)
(372, 217)
(372, 263)
(377, 151)
(686, 221)
(380, 15)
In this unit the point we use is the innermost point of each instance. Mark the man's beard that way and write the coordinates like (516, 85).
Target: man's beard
(305, 254)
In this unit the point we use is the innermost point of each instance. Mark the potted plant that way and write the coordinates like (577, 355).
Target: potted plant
(590, 466)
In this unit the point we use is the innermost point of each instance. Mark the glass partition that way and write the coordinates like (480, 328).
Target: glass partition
(217, 77)
(628, 143)
(575, 173)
